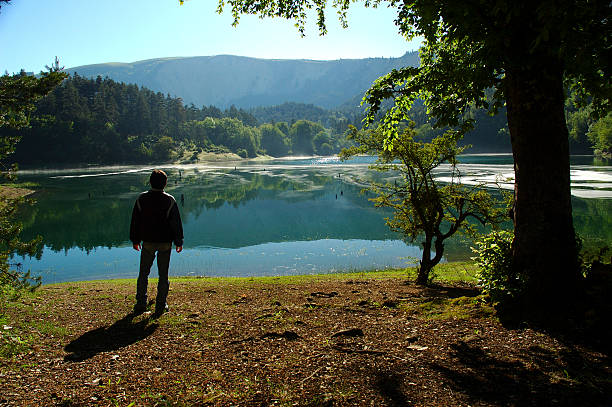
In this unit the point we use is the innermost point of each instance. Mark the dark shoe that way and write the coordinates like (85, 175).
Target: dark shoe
(159, 310)
(139, 309)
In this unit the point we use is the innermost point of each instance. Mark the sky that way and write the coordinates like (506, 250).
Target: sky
(83, 32)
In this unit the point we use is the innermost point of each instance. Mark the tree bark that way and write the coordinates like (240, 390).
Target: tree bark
(425, 266)
(427, 263)
(544, 247)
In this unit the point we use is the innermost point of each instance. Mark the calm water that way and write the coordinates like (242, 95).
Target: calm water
(281, 217)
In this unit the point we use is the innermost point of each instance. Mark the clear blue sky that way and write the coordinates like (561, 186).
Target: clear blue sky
(82, 32)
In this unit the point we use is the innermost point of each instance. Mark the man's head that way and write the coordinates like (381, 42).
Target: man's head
(158, 179)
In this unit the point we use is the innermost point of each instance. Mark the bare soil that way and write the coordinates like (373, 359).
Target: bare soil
(311, 342)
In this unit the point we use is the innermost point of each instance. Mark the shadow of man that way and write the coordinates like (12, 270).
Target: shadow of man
(122, 333)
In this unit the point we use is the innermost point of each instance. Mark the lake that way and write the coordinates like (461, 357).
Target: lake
(255, 218)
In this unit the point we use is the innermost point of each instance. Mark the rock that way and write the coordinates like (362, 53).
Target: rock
(321, 294)
(352, 332)
(288, 335)
(390, 304)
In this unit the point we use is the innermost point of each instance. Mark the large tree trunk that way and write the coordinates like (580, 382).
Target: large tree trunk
(544, 247)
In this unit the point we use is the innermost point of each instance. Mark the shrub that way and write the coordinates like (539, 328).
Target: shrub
(593, 257)
(494, 258)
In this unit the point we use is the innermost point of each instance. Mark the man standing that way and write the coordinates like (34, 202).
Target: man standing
(156, 222)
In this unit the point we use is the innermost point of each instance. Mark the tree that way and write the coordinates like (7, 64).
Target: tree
(600, 134)
(322, 138)
(273, 140)
(528, 52)
(162, 149)
(17, 96)
(302, 134)
(423, 207)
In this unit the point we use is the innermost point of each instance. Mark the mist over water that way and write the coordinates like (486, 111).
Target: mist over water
(279, 217)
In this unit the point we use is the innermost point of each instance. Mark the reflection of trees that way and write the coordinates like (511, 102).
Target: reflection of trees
(592, 220)
(274, 206)
(85, 224)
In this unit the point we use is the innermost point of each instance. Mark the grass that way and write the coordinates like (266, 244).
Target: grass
(22, 185)
(454, 308)
(446, 272)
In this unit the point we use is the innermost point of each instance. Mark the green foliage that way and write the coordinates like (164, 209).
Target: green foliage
(593, 256)
(162, 149)
(336, 121)
(12, 344)
(302, 134)
(274, 141)
(600, 133)
(18, 93)
(496, 277)
(104, 122)
(13, 280)
(423, 206)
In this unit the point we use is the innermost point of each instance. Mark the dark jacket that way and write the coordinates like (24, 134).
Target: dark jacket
(156, 218)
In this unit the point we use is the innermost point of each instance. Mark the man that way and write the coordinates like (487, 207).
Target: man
(156, 222)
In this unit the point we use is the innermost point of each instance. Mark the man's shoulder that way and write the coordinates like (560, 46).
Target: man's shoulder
(167, 195)
(155, 196)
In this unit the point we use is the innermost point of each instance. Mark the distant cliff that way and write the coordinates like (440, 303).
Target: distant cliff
(225, 80)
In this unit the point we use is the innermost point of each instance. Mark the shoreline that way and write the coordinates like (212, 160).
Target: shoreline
(217, 158)
(458, 271)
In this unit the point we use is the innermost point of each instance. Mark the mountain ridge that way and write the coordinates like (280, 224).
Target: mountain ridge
(247, 82)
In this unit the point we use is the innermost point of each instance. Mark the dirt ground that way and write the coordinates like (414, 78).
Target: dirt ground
(353, 341)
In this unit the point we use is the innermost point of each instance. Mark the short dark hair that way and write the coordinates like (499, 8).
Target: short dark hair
(158, 179)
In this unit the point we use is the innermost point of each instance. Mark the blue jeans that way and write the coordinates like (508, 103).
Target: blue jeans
(147, 255)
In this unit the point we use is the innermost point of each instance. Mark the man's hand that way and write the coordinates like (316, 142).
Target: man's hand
(179, 249)
(136, 246)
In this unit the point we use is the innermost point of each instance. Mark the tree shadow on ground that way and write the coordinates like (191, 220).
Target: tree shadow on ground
(389, 385)
(536, 377)
(449, 291)
(122, 333)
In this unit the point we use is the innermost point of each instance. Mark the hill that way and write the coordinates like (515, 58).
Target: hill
(225, 80)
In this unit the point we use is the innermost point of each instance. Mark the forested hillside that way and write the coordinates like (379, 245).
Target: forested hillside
(104, 122)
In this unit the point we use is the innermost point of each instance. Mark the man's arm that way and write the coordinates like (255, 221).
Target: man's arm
(176, 225)
(135, 227)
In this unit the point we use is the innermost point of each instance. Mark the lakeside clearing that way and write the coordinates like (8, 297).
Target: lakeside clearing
(365, 339)
(15, 191)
